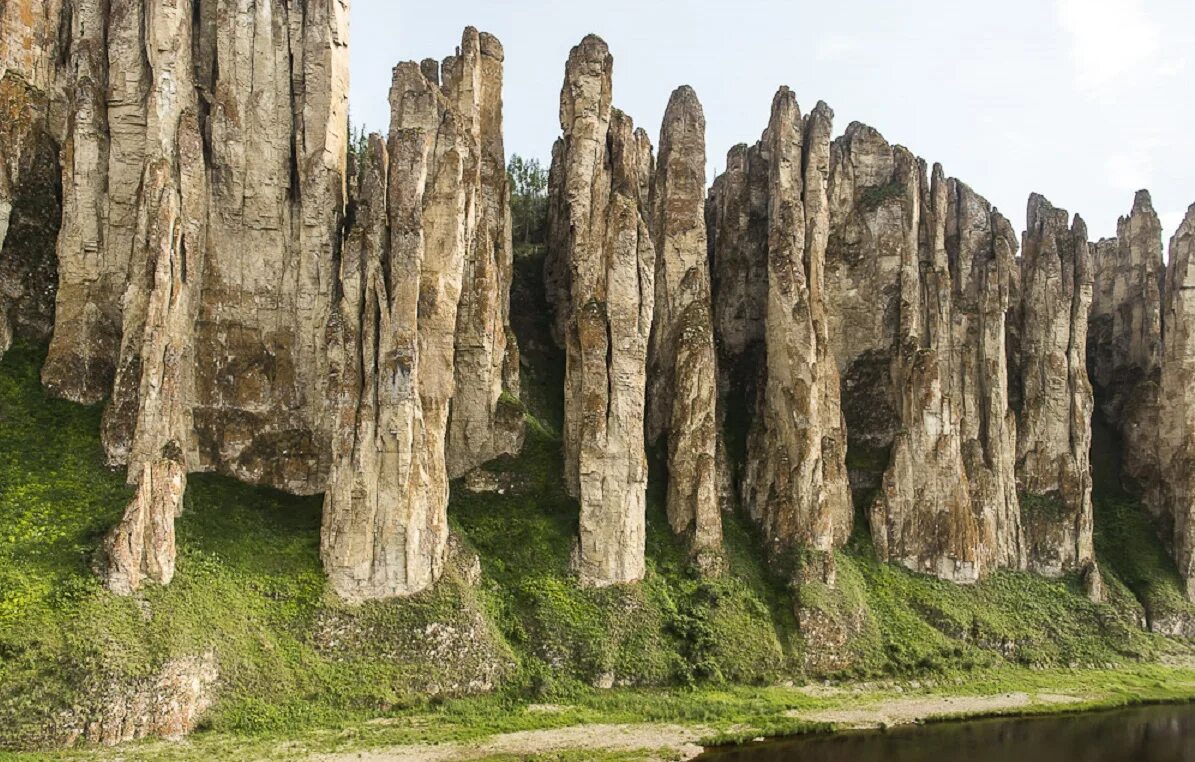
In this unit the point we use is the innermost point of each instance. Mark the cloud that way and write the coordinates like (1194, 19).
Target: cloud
(1109, 40)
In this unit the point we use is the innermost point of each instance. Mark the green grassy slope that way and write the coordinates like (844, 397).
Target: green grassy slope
(249, 591)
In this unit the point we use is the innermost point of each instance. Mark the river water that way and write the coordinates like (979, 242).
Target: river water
(1147, 734)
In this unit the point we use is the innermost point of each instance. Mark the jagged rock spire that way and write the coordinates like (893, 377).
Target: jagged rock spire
(1054, 422)
(1176, 432)
(420, 356)
(601, 280)
(682, 380)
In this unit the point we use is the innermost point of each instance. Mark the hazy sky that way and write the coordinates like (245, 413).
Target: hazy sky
(1084, 101)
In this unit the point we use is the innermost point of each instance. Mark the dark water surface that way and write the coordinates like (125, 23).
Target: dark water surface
(1148, 734)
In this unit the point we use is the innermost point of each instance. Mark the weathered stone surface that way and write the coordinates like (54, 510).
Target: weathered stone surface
(682, 380)
(385, 513)
(601, 274)
(141, 547)
(203, 169)
(266, 91)
(795, 484)
(29, 178)
(1176, 432)
(167, 704)
(1124, 339)
(919, 279)
(1054, 421)
(422, 371)
(484, 423)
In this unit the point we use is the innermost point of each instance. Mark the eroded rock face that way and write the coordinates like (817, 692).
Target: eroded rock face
(385, 513)
(795, 483)
(1124, 339)
(1176, 432)
(1054, 421)
(29, 183)
(420, 358)
(682, 379)
(204, 172)
(919, 279)
(601, 282)
(486, 420)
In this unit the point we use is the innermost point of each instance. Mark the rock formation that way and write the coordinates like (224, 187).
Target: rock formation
(29, 183)
(486, 420)
(418, 337)
(682, 385)
(601, 281)
(1124, 339)
(795, 483)
(1054, 421)
(918, 278)
(204, 182)
(1176, 431)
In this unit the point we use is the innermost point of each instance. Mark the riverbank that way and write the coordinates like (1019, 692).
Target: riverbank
(622, 725)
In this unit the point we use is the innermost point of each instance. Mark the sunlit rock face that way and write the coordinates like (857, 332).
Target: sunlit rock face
(1054, 421)
(601, 280)
(1176, 430)
(420, 353)
(203, 175)
(31, 126)
(682, 376)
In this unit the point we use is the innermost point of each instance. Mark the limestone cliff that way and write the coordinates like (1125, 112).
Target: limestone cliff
(203, 174)
(1054, 421)
(918, 278)
(601, 273)
(30, 132)
(1124, 339)
(795, 483)
(682, 388)
(1176, 431)
(420, 356)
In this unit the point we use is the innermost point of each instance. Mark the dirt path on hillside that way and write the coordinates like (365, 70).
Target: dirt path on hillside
(670, 741)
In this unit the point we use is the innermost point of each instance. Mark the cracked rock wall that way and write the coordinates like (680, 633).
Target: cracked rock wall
(1054, 421)
(682, 379)
(421, 360)
(601, 272)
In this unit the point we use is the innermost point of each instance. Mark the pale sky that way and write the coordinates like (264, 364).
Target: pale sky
(1084, 101)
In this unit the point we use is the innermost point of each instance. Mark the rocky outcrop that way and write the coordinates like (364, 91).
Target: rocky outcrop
(1124, 339)
(418, 336)
(919, 273)
(1176, 431)
(795, 483)
(601, 282)
(30, 193)
(204, 183)
(682, 380)
(1054, 420)
(486, 419)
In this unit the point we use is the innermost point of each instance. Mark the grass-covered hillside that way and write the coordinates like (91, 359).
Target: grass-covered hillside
(249, 596)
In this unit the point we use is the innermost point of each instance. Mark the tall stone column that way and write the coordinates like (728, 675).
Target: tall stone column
(1054, 424)
(602, 284)
(795, 484)
(682, 378)
(1176, 433)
